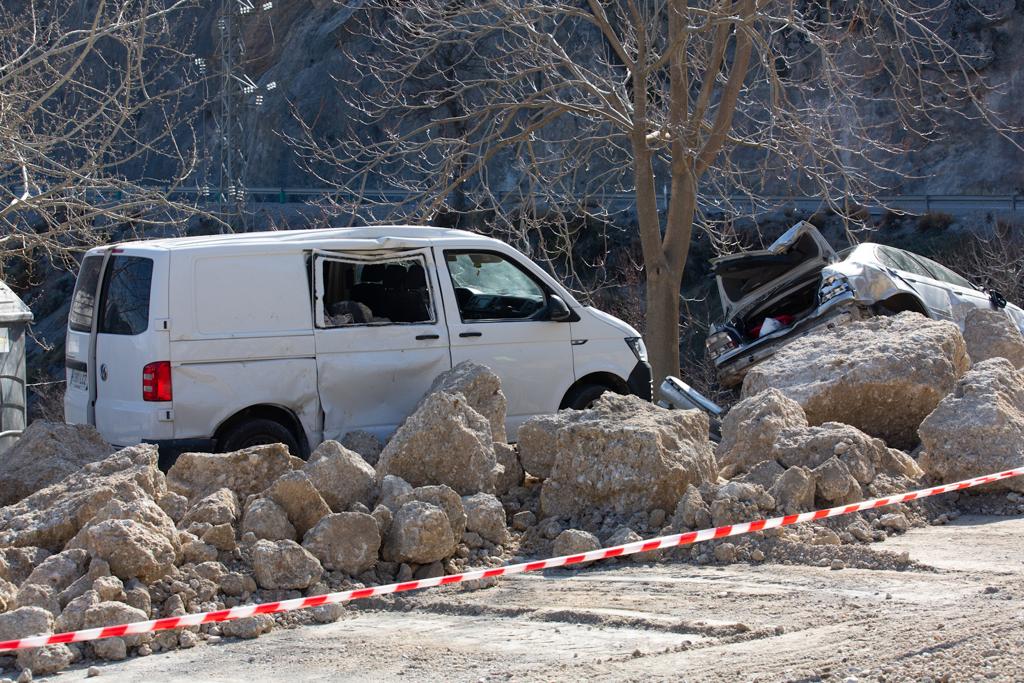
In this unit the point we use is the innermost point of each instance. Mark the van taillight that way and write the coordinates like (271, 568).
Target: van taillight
(156, 381)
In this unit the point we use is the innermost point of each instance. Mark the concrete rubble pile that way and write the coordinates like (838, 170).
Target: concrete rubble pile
(113, 539)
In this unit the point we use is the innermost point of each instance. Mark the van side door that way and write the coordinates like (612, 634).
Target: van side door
(380, 337)
(496, 310)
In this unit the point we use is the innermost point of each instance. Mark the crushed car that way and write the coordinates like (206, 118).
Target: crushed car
(800, 284)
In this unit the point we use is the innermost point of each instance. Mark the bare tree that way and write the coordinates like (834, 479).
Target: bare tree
(94, 120)
(533, 109)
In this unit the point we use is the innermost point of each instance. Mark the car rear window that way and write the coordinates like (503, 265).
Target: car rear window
(83, 301)
(125, 300)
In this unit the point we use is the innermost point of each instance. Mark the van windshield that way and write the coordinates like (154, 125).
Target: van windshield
(83, 301)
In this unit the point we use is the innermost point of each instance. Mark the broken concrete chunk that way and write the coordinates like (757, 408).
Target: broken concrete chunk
(444, 442)
(751, 428)
(979, 428)
(482, 390)
(345, 541)
(993, 334)
(883, 375)
(420, 534)
(485, 515)
(46, 453)
(246, 472)
(266, 519)
(342, 477)
(627, 456)
(284, 565)
(297, 496)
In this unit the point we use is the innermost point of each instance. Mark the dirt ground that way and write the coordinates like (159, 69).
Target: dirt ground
(957, 616)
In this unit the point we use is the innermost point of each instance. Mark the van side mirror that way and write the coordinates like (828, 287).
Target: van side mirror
(558, 311)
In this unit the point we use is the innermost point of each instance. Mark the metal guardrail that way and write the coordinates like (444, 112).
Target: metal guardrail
(911, 203)
(919, 203)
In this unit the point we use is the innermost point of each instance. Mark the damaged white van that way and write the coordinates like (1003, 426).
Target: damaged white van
(222, 342)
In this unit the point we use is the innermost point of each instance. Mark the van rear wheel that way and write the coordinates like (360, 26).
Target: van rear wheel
(258, 432)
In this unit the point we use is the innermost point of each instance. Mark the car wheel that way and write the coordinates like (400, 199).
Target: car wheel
(583, 397)
(258, 432)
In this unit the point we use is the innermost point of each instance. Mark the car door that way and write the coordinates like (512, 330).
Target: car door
(380, 337)
(963, 296)
(934, 294)
(496, 313)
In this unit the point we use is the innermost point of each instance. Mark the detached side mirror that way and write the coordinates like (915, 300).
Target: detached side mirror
(558, 311)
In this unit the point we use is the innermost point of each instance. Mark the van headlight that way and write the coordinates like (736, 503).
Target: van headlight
(636, 345)
(833, 286)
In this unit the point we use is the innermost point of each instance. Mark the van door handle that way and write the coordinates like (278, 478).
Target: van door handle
(471, 334)
(421, 337)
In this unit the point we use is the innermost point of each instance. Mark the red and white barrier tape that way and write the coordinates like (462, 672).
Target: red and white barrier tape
(603, 553)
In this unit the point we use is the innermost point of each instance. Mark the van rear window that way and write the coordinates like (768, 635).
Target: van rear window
(125, 300)
(83, 301)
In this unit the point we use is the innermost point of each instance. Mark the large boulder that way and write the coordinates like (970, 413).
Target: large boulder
(574, 542)
(485, 516)
(61, 570)
(341, 476)
(45, 454)
(297, 496)
(979, 428)
(364, 443)
(882, 375)
(266, 519)
(863, 455)
(991, 333)
(443, 497)
(444, 442)
(345, 541)
(510, 470)
(34, 621)
(627, 455)
(219, 507)
(482, 391)
(142, 510)
(751, 427)
(52, 516)
(537, 442)
(248, 471)
(284, 565)
(420, 533)
(132, 549)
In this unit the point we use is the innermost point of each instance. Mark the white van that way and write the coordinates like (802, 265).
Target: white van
(222, 342)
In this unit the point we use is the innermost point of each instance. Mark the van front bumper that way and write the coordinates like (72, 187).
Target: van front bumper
(639, 381)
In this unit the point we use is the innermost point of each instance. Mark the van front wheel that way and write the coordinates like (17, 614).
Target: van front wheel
(258, 432)
(583, 397)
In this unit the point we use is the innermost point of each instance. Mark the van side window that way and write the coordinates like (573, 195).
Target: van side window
(83, 301)
(490, 287)
(360, 293)
(124, 304)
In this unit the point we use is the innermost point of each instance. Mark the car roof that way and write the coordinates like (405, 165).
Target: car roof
(388, 235)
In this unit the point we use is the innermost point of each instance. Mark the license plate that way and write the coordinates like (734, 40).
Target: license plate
(79, 380)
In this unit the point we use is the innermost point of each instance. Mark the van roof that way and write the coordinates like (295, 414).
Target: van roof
(394, 235)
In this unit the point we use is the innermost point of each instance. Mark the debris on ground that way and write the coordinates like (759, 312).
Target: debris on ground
(116, 540)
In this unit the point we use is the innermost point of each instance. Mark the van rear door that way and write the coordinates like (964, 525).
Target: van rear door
(128, 337)
(78, 346)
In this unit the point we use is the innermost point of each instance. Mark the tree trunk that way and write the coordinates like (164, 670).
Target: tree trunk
(662, 318)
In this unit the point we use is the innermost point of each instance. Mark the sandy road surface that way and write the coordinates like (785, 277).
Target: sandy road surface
(961, 618)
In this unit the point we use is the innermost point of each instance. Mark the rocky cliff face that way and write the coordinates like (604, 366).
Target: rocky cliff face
(302, 46)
